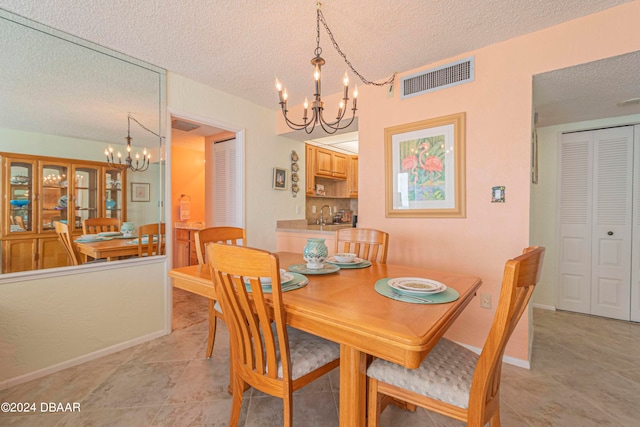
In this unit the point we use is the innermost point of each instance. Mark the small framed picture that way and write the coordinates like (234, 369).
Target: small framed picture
(279, 179)
(140, 191)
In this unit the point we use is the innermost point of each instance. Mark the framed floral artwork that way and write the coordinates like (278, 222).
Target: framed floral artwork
(140, 192)
(425, 168)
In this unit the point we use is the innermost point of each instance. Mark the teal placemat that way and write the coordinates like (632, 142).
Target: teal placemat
(449, 295)
(302, 268)
(362, 264)
(298, 282)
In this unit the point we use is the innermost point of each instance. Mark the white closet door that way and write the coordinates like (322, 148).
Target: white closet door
(635, 249)
(225, 185)
(611, 239)
(574, 222)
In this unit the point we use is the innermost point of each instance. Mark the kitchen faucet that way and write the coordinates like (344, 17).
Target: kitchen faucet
(322, 222)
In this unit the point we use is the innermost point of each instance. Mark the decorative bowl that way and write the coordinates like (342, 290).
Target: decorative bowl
(344, 257)
(20, 202)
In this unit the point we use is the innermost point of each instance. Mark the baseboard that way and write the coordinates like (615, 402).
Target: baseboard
(79, 360)
(545, 307)
(506, 359)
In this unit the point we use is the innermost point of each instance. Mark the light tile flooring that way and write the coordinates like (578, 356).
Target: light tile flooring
(585, 372)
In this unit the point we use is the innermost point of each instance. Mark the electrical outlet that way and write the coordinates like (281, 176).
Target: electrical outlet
(485, 300)
(313, 209)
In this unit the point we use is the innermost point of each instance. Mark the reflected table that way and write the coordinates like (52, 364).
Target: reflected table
(109, 249)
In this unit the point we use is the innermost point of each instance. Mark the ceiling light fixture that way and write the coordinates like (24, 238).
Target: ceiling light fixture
(317, 106)
(136, 165)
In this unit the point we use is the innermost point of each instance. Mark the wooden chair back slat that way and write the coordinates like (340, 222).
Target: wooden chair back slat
(230, 235)
(152, 246)
(100, 225)
(62, 230)
(366, 243)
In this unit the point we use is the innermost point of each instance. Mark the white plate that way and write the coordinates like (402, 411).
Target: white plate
(416, 285)
(356, 260)
(109, 234)
(285, 277)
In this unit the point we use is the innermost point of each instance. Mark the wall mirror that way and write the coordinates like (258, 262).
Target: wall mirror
(64, 101)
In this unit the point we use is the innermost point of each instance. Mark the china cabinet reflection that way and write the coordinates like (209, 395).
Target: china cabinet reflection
(41, 190)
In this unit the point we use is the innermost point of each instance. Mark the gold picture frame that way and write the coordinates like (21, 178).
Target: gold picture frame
(425, 168)
(140, 192)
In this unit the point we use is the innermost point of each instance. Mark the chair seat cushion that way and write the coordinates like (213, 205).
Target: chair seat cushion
(308, 352)
(445, 374)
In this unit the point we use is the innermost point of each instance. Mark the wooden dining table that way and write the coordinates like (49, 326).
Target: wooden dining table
(109, 249)
(345, 308)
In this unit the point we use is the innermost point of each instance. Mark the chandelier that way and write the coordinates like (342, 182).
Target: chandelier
(317, 106)
(134, 164)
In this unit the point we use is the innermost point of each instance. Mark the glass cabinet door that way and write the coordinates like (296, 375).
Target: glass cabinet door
(85, 202)
(114, 196)
(54, 195)
(21, 208)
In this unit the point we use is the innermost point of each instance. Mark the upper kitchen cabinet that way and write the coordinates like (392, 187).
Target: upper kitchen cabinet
(331, 164)
(352, 176)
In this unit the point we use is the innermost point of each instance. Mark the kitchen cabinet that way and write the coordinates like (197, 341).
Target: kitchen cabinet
(41, 190)
(330, 164)
(310, 170)
(185, 252)
(352, 176)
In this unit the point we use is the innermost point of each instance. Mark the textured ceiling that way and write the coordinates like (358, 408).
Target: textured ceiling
(240, 46)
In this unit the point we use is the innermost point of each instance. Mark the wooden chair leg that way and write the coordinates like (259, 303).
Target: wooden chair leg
(212, 328)
(373, 404)
(236, 405)
(494, 421)
(288, 409)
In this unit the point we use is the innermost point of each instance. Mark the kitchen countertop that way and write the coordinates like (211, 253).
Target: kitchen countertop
(189, 225)
(301, 226)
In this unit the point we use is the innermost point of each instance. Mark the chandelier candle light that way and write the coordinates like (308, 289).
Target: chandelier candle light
(138, 165)
(317, 106)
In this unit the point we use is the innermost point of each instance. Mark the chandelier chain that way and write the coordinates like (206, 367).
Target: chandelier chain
(389, 81)
(144, 127)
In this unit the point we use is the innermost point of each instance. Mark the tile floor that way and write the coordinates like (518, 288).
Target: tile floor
(585, 372)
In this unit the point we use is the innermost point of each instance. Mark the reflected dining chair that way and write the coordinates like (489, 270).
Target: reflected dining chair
(230, 235)
(366, 243)
(453, 380)
(62, 230)
(154, 242)
(100, 225)
(265, 353)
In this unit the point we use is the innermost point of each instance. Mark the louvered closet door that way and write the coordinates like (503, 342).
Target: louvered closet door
(635, 234)
(611, 240)
(595, 202)
(225, 185)
(574, 222)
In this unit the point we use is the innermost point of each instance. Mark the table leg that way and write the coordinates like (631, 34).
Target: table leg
(353, 387)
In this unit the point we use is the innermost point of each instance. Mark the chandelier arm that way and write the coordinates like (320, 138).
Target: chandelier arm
(293, 125)
(336, 125)
(389, 81)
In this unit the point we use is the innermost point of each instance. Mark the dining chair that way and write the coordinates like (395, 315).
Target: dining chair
(265, 353)
(366, 243)
(154, 242)
(100, 225)
(229, 235)
(62, 230)
(453, 380)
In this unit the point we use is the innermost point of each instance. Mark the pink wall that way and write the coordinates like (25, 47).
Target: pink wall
(498, 117)
(187, 177)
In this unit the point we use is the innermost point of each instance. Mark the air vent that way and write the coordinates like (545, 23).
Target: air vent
(184, 126)
(438, 78)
